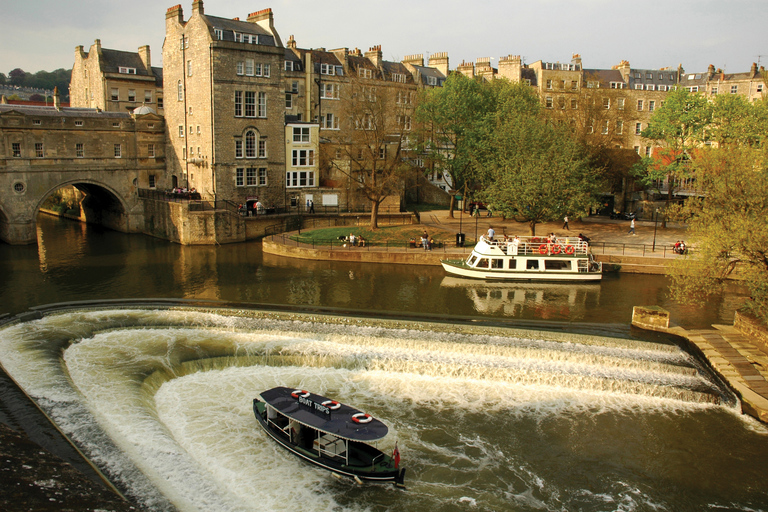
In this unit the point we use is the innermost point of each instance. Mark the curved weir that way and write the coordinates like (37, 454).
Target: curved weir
(160, 400)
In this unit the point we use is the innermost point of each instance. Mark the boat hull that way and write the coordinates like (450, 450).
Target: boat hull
(376, 473)
(459, 268)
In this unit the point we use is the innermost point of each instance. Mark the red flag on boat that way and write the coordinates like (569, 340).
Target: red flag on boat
(396, 456)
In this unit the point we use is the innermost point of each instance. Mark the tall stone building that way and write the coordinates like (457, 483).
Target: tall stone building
(115, 80)
(226, 109)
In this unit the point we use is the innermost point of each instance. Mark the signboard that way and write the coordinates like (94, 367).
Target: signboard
(316, 407)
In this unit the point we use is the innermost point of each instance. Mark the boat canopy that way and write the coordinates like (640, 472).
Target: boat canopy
(324, 414)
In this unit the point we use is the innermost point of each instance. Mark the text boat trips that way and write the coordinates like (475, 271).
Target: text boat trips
(528, 258)
(327, 433)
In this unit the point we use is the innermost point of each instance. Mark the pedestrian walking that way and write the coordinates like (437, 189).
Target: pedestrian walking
(565, 223)
(632, 227)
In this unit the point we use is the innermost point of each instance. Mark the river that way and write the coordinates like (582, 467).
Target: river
(487, 416)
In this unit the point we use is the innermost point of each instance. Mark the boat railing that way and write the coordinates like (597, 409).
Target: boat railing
(524, 245)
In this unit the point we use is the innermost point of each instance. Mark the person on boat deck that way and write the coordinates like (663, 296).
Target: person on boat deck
(513, 245)
(491, 233)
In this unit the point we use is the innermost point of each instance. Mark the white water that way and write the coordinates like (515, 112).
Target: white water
(172, 391)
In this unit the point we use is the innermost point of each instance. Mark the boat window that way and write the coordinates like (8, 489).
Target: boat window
(497, 263)
(532, 265)
(471, 260)
(483, 263)
(512, 264)
(557, 265)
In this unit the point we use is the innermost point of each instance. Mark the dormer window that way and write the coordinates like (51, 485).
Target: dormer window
(398, 77)
(364, 73)
(327, 69)
(126, 71)
(289, 65)
(219, 33)
(431, 80)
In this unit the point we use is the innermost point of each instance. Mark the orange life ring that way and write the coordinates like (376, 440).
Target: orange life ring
(300, 393)
(556, 249)
(331, 404)
(569, 249)
(362, 417)
(543, 249)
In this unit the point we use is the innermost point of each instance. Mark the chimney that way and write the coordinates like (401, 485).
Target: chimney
(711, 71)
(374, 55)
(97, 45)
(56, 99)
(510, 67)
(439, 61)
(291, 43)
(197, 7)
(415, 60)
(145, 57)
(265, 20)
(576, 60)
(753, 69)
(175, 12)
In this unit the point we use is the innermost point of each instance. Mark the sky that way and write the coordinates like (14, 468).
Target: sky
(42, 34)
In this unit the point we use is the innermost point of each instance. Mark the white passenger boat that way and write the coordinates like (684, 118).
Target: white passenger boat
(528, 258)
(327, 433)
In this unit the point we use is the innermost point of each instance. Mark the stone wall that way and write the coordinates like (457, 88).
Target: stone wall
(752, 328)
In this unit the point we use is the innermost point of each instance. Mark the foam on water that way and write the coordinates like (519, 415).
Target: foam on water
(171, 392)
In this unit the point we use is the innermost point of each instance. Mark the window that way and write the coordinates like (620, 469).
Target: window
(181, 130)
(288, 100)
(329, 91)
(574, 103)
(151, 150)
(639, 105)
(303, 158)
(638, 128)
(189, 68)
(432, 80)
(295, 87)
(605, 128)
(180, 91)
(398, 77)
(383, 152)
(78, 123)
(126, 71)
(562, 84)
(250, 144)
(714, 90)
(250, 104)
(240, 68)
(131, 94)
(79, 150)
(147, 96)
(661, 87)
(327, 69)
(118, 151)
(289, 65)
(262, 176)
(184, 152)
(151, 181)
(620, 103)
(734, 89)
(39, 153)
(364, 73)
(238, 148)
(159, 102)
(219, 33)
(759, 87)
(637, 149)
(651, 106)
(262, 104)
(249, 67)
(16, 148)
(549, 102)
(404, 122)
(262, 148)
(574, 85)
(301, 134)
(549, 85)
(265, 70)
(250, 177)
(238, 103)
(619, 127)
(650, 87)
(299, 179)
(639, 87)
(617, 85)
(647, 150)
(606, 103)
(198, 129)
(329, 122)
(115, 94)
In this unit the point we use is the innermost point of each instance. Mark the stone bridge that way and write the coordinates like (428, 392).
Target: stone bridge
(108, 156)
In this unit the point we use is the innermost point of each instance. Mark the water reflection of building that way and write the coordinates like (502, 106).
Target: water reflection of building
(547, 300)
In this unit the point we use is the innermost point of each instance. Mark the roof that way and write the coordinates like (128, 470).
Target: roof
(33, 110)
(312, 413)
(605, 76)
(229, 27)
(113, 60)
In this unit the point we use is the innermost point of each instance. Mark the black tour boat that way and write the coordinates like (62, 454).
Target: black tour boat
(327, 433)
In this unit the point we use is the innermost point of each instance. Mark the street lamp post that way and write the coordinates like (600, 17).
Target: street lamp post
(655, 224)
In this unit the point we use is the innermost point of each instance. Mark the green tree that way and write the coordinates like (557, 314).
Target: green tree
(727, 227)
(449, 119)
(678, 126)
(532, 169)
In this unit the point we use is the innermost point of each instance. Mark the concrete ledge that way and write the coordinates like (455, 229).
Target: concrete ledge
(650, 318)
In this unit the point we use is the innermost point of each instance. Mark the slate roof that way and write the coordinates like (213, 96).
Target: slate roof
(34, 110)
(229, 27)
(604, 76)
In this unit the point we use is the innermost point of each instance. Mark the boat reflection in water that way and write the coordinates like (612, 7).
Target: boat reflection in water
(551, 301)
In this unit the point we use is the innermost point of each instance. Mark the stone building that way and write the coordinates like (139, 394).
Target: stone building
(115, 80)
(749, 84)
(226, 112)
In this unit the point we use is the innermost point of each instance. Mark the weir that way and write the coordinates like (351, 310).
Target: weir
(161, 398)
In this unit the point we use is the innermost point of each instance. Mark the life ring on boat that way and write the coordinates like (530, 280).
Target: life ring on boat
(569, 249)
(300, 393)
(331, 404)
(362, 417)
(543, 249)
(556, 249)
